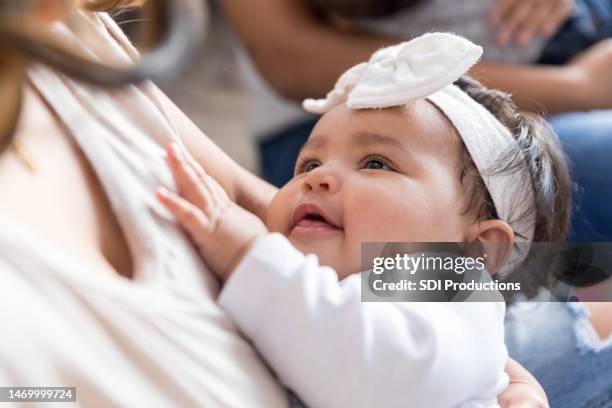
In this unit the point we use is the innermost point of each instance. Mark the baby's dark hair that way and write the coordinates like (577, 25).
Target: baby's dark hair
(539, 148)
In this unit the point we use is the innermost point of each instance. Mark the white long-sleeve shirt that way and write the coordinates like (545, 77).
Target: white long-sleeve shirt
(335, 351)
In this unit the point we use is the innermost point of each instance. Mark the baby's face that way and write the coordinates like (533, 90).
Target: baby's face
(374, 175)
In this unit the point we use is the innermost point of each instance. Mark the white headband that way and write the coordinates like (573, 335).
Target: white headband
(426, 68)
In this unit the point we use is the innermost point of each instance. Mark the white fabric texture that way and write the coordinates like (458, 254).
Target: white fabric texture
(487, 141)
(401, 73)
(426, 68)
(335, 351)
(159, 340)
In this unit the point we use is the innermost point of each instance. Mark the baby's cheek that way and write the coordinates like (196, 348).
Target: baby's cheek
(273, 222)
(386, 215)
(376, 204)
(278, 213)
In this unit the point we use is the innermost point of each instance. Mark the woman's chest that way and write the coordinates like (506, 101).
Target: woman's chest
(61, 200)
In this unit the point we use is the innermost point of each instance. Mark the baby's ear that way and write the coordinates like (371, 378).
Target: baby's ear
(496, 239)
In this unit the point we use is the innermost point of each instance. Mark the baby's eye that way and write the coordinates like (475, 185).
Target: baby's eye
(308, 165)
(376, 163)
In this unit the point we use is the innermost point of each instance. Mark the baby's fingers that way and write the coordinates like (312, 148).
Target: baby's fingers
(214, 188)
(199, 170)
(191, 218)
(190, 185)
(217, 192)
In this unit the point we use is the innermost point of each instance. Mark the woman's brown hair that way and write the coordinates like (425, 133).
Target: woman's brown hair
(108, 5)
(174, 29)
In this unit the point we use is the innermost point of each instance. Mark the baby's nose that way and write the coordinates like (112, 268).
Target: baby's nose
(322, 180)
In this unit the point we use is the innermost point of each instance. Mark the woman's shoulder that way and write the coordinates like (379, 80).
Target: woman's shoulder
(127, 112)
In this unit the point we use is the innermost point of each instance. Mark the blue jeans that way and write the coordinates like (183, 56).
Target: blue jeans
(587, 140)
(279, 151)
(591, 22)
(556, 343)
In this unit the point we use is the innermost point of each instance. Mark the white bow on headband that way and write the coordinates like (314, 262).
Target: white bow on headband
(426, 68)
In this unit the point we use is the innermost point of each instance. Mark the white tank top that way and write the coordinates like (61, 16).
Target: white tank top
(159, 340)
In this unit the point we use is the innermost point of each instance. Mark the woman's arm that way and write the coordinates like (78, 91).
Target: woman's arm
(298, 53)
(243, 187)
(541, 88)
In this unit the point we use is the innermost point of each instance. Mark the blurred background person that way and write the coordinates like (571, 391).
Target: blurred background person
(552, 55)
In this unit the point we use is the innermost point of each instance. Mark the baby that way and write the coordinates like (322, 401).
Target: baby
(407, 150)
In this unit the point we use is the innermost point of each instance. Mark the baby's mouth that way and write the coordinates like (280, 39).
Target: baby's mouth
(309, 219)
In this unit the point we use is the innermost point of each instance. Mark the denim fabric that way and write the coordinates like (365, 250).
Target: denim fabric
(557, 344)
(279, 151)
(587, 140)
(586, 136)
(592, 22)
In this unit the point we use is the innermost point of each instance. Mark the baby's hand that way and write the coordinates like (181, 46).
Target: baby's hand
(521, 20)
(519, 395)
(222, 230)
(524, 391)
